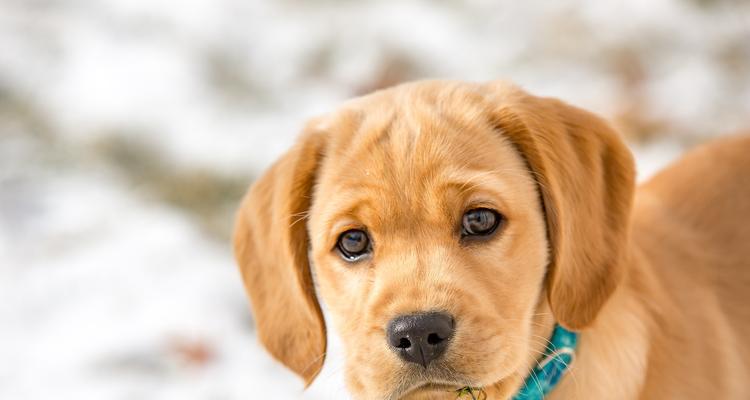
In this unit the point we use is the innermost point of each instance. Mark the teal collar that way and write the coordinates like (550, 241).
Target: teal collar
(550, 368)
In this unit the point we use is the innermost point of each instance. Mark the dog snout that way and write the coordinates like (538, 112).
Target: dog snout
(420, 338)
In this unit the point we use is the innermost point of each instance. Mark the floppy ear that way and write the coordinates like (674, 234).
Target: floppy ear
(585, 175)
(271, 246)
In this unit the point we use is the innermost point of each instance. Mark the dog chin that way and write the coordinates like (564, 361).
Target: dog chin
(434, 388)
(431, 390)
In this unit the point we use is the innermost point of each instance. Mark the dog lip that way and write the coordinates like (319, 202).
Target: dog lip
(434, 386)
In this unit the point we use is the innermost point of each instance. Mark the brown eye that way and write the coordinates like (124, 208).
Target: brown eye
(480, 222)
(354, 244)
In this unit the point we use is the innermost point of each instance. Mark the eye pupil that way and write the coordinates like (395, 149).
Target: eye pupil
(354, 241)
(480, 222)
(353, 244)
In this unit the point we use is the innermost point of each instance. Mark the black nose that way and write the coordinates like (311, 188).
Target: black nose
(420, 338)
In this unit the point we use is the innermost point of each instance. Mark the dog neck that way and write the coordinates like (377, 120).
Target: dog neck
(549, 370)
(612, 356)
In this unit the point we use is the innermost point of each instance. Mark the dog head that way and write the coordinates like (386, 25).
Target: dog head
(448, 225)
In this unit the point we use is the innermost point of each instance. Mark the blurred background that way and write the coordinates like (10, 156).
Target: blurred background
(129, 130)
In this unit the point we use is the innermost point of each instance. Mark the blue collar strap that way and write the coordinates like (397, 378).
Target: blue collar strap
(550, 368)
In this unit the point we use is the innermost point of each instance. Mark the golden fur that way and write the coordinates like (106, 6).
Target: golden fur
(654, 279)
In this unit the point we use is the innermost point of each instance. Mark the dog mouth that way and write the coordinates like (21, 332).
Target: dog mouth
(445, 380)
(450, 385)
(432, 387)
(456, 390)
(441, 381)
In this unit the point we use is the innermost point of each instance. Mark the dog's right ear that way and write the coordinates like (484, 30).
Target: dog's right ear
(585, 177)
(271, 247)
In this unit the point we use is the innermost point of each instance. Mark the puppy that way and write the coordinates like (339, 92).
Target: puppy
(455, 229)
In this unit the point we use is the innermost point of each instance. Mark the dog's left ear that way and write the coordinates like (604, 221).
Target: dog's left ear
(585, 176)
(271, 246)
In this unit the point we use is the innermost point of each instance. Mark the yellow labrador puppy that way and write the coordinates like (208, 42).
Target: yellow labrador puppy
(475, 240)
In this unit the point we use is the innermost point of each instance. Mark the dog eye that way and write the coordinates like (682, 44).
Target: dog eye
(480, 222)
(353, 244)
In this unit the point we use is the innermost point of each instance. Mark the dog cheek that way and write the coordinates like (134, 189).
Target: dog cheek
(354, 382)
(370, 369)
(481, 353)
(492, 330)
(337, 288)
(369, 372)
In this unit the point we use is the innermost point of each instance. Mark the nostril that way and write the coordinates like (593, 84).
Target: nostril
(420, 338)
(434, 339)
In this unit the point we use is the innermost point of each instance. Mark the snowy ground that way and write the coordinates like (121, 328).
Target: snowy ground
(129, 128)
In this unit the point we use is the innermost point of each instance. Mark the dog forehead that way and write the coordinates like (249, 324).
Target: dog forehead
(398, 157)
(408, 128)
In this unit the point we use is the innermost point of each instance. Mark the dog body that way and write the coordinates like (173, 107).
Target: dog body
(677, 327)
(654, 280)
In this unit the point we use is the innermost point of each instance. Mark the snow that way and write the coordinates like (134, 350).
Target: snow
(98, 290)
(109, 291)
